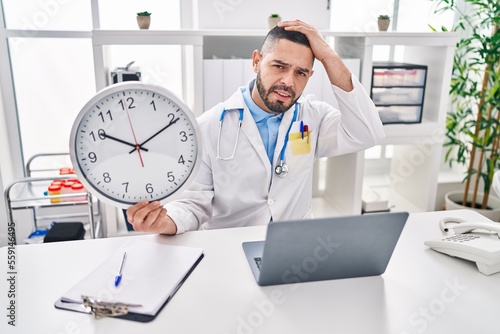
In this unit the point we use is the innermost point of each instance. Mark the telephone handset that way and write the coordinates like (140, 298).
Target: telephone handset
(474, 241)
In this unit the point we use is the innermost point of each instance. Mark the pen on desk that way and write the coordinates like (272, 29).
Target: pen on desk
(118, 277)
(302, 129)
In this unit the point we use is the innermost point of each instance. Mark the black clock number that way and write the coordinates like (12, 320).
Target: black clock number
(183, 136)
(100, 133)
(126, 186)
(130, 101)
(181, 160)
(172, 118)
(92, 157)
(149, 188)
(153, 104)
(106, 177)
(170, 177)
(103, 118)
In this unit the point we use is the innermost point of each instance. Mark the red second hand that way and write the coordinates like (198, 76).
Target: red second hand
(137, 147)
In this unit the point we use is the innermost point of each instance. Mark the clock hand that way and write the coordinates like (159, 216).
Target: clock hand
(137, 147)
(133, 133)
(158, 132)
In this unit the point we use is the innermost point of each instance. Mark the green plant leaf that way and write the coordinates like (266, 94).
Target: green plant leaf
(478, 50)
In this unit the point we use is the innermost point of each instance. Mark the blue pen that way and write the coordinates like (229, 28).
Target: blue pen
(302, 128)
(118, 277)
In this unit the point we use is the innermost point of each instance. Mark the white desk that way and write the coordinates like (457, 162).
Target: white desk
(422, 291)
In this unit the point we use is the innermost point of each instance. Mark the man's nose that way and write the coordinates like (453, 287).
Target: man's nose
(287, 78)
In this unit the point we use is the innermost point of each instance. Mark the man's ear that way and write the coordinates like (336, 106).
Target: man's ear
(256, 58)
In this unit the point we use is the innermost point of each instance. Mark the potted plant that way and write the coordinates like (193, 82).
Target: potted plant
(273, 20)
(144, 20)
(473, 122)
(383, 22)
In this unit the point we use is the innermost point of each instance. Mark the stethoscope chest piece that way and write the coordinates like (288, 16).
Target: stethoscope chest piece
(281, 170)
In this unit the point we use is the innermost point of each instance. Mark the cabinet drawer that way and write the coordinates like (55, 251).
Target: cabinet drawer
(398, 77)
(397, 95)
(400, 114)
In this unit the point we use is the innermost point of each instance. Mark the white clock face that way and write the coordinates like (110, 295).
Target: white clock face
(134, 142)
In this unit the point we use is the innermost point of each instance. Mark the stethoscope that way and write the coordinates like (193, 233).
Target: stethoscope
(281, 169)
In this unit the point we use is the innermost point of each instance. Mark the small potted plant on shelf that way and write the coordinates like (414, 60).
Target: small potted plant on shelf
(144, 20)
(383, 22)
(273, 20)
(473, 120)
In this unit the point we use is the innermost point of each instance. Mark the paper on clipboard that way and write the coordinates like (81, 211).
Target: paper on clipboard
(151, 275)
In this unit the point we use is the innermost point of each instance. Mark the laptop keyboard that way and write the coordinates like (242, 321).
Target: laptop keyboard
(258, 262)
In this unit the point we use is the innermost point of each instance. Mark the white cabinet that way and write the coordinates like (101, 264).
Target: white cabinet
(410, 181)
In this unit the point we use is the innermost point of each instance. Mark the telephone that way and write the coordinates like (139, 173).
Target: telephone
(474, 241)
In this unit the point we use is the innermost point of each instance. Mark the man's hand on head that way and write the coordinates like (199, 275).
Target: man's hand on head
(338, 73)
(319, 46)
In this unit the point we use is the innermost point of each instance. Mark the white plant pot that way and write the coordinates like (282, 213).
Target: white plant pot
(273, 21)
(383, 24)
(454, 198)
(143, 21)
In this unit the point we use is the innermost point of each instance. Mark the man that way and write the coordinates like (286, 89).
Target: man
(270, 175)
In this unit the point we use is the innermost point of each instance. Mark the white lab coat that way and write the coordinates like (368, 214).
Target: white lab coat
(245, 191)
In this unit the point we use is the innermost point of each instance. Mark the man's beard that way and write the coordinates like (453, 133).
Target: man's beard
(277, 107)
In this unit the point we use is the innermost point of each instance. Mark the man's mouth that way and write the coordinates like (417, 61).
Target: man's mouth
(282, 95)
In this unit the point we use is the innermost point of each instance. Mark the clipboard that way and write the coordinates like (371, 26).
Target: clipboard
(151, 276)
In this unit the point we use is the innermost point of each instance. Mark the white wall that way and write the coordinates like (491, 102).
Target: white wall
(253, 14)
(337, 15)
(358, 15)
(361, 15)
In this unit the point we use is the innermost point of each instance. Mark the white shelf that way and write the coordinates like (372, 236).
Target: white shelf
(372, 38)
(434, 39)
(412, 177)
(159, 37)
(412, 133)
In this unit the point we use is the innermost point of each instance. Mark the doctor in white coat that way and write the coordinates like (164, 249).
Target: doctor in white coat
(269, 176)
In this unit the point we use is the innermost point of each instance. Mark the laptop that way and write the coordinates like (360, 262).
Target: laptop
(326, 248)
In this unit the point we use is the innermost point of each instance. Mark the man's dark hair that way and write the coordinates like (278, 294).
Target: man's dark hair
(277, 33)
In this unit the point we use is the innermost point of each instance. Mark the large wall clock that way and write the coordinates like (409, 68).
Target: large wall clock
(135, 141)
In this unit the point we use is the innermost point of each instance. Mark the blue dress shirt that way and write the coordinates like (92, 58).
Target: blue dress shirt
(268, 124)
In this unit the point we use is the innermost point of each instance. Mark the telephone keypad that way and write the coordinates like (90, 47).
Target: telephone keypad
(461, 237)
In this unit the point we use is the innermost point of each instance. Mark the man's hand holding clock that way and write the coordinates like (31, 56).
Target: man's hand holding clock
(151, 217)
